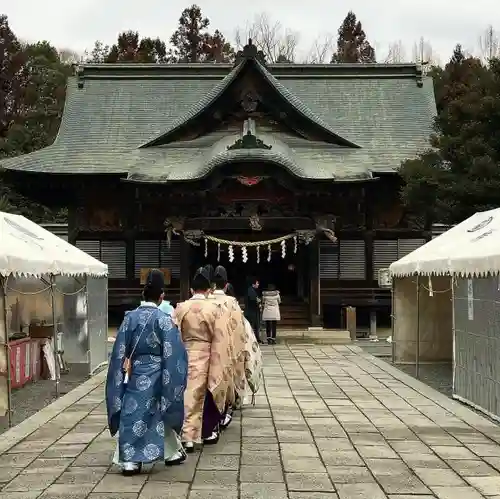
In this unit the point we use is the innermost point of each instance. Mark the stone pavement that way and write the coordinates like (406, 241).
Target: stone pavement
(333, 422)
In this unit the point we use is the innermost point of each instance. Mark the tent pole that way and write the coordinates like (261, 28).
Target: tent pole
(417, 346)
(453, 335)
(393, 320)
(54, 330)
(3, 283)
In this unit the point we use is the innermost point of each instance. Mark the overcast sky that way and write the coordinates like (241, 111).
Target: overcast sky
(76, 24)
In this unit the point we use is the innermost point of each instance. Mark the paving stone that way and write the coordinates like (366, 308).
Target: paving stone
(312, 495)
(161, 490)
(294, 436)
(308, 482)
(493, 461)
(360, 491)
(485, 450)
(93, 460)
(487, 485)
(32, 446)
(439, 477)
(410, 447)
(367, 438)
(67, 491)
(376, 451)
(225, 478)
(7, 474)
(209, 492)
(299, 450)
(183, 473)
(404, 483)
(456, 493)
(18, 460)
(472, 468)
(113, 495)
(305, 464)
(63, 450)
(262, 491)
(341, 458)
(226, 448)
(218, 462)
(34, 494)
(350, 474)
(31, 481)
(339, 444)
(453, 452)
(269, 458)
(405, 496)
(423, 461)
(115, 483)
(259, 447)
(261, 474)
(88, 475)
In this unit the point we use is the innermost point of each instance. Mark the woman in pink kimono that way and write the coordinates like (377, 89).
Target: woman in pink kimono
(204, 328)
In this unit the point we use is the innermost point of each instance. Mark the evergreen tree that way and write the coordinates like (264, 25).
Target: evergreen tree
(32, 93)
(217, 49)
(352, 45)
(461, 173)
(131, 48)
(192, 42)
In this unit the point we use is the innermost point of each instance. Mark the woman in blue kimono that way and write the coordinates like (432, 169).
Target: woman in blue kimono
(145, 403)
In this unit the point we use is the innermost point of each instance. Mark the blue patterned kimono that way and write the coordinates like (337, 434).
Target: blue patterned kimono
(153, 399)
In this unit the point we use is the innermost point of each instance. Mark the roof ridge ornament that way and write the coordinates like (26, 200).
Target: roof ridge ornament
(249, 140)
(250, 51)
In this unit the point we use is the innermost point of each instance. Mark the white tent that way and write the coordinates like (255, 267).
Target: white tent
(471, 248)
(26, 249)
(45, 278)
(446, 308)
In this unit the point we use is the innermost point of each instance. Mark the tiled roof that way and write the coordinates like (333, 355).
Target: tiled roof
(380, 108)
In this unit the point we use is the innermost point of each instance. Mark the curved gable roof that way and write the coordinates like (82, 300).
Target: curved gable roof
(220, 88)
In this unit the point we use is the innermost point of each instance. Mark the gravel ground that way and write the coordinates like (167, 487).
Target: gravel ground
(437, 376)
(33, 397)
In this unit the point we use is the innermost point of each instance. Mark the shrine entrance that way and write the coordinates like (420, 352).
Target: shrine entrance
(288, 274)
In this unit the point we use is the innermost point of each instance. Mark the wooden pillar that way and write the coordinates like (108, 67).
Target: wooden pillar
(130, 228)
(73, 229)
(315, 311)
(369, 234)
(184, 270)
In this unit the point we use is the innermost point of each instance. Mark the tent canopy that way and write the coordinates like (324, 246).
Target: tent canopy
(471, 248)
(26, 249)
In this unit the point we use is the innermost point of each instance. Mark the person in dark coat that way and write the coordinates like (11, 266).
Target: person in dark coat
(252, 307)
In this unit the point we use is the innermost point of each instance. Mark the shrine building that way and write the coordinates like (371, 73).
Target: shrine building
(286, 172)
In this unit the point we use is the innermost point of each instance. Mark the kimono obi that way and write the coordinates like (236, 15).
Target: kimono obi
(146, 359)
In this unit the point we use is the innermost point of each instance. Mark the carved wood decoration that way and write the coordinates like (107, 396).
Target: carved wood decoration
(99, 218)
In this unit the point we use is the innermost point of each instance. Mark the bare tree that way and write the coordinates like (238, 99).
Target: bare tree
(423, 54)
(321, 50)
(396, 53)
(489, 44)
(277, 43)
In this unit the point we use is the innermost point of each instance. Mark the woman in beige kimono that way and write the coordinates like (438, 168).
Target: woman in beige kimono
(204, 328)
(237, 338)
